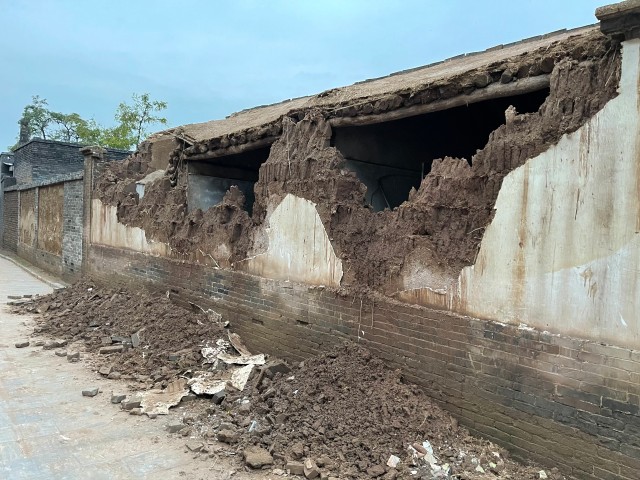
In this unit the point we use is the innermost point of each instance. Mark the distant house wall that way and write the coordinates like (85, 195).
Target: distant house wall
(43, 211)
(40, 160)
(45, 223)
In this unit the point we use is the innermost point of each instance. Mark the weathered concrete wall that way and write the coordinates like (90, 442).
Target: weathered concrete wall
(563, 250)
(106, 230)
(298, 248)
(50, 218)
(28, 215)
(10, 213)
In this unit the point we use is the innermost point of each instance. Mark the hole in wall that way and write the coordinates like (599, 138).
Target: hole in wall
(209, 180)
(392, 157)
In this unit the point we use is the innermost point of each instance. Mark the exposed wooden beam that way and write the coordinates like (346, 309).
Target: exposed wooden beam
(233, 149)
(494, 90)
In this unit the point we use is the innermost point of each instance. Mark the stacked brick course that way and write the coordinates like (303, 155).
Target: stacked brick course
(10, 214)
(72, 228)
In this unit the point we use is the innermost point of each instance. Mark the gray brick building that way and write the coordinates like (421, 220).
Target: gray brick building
(38, 159)
(42, 208)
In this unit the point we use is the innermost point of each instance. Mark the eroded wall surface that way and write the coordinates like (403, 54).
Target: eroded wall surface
(560, 202)
(50, 218)
(298, 249)
(27, 221)
(107, 230)
(563, 250)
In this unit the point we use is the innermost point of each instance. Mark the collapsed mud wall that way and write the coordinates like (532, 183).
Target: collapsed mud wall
(163, 215)
(440, 226)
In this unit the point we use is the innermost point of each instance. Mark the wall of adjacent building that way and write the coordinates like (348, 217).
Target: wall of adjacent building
(42, 160)
(45, 224)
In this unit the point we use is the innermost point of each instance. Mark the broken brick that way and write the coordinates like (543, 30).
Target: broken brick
(115, 398)
(73, 356)
(257, 457)
(131, 403)
(295, 468)
(311, 469)
(111, 349)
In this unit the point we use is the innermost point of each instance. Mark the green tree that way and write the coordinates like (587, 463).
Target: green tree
(136, 118)
(38, 117)
(117, 137)
(70, 127)
(132, 123)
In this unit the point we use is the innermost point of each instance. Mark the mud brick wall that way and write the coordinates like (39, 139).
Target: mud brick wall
(72, 227)
(559, 401)
(10, 217)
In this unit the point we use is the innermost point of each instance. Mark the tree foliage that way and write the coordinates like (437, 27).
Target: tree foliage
(135, 118)
(37, 117)
(132, 123)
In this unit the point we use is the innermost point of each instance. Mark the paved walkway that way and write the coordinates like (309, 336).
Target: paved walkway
(49, 431)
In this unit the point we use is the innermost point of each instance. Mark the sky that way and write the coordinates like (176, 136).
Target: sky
(208, 59)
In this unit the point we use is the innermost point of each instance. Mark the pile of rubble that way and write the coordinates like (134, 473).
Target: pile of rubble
(138, 335)
(341, 415)
(345, 415)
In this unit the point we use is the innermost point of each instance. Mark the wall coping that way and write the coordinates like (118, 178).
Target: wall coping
(67, 144)
(68, 177)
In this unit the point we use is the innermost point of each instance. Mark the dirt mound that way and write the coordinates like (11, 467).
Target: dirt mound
(170, 336)
(343, 413)
(349, 413)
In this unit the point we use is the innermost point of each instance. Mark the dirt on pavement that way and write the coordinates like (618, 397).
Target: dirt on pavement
(343, 414)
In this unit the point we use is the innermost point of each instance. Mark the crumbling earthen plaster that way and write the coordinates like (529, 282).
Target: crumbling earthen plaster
(439, 229)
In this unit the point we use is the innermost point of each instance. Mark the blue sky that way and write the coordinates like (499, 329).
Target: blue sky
(208, 59)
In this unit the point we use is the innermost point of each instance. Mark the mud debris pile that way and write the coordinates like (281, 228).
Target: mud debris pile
(154, 339)
(343, 414)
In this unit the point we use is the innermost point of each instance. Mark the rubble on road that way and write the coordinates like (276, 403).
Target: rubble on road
(22, 344)
(256, 457)
(140, 334)
(157, 401)
(342, 415)
(73, 356)
(345, 414)
(117, 398)
(90, 392)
